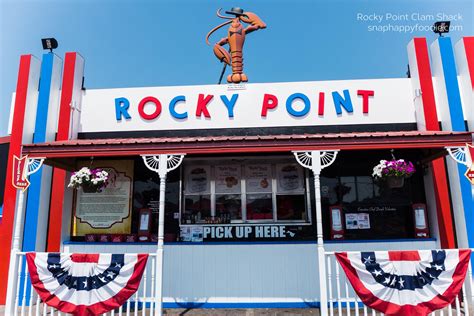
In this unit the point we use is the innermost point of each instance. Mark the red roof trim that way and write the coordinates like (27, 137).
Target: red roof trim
(235, 144)
(4, 139)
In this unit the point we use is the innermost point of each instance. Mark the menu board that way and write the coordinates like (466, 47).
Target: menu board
(107, 211)
(258, 178)
(228, 178)
(197, 179)
(289, 178)
(357, 221)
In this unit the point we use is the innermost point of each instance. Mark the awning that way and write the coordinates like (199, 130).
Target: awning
(115, 147)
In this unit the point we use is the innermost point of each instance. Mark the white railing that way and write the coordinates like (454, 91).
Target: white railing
(140, 304)
(342, 300)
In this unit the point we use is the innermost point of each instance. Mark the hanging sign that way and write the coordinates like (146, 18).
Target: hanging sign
(19, 176)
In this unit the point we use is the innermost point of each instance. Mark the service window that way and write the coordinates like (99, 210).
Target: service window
(290, 197)
(253, 191)
(197, 194)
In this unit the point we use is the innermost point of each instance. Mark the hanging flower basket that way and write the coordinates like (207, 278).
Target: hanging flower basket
(394, 172)
(395, 182)
(90, 180)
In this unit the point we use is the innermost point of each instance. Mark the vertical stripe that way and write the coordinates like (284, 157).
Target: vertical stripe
(465, 64)
(37, 205)
(23, 121)
(45, 130)
(426, 112)
(449, 99)
(70, 95)
(451, 83)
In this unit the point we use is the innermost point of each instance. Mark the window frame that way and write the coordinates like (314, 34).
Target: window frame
(249, 160)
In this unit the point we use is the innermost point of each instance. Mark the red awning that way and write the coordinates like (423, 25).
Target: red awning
(247, 144)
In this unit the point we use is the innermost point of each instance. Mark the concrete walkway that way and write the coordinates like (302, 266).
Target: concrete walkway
(232, 312)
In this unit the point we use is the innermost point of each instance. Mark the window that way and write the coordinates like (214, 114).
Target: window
(253, 191)
(369, 208)
(197, 197)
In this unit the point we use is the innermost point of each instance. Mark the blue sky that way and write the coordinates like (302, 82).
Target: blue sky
(161, 42)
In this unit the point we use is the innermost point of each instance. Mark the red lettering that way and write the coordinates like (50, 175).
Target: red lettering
(269, 102)
(321, 104)
(141, 108)
(201, 107)
(365, 99)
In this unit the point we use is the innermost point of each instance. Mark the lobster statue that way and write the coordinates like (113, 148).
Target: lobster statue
(235, 38)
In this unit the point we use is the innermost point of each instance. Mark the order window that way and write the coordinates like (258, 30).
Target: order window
(253, 191)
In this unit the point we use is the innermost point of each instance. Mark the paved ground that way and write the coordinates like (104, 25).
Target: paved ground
(233, 312)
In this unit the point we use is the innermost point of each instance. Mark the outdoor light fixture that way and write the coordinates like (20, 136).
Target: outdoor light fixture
(49, 43)
(441, 27)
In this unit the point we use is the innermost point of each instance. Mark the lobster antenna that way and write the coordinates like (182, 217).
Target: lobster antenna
(215, 29)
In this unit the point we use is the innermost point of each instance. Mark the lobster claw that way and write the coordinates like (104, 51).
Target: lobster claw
(222, 54)
(253, 19)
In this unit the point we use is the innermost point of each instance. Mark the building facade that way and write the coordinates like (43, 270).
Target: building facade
(259, 178)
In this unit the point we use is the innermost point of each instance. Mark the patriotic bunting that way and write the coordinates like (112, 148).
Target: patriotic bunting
(85, 284)
(406, 282)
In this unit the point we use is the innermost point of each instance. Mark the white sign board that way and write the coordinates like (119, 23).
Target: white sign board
(316, 103)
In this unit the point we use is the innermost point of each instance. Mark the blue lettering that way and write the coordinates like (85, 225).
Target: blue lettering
(230, 103)
(302, 97)
(345, 102)
(179, 98)
(121, 108)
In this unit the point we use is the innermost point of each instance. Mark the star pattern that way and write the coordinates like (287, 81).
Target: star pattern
(405, 282)
(84, 282)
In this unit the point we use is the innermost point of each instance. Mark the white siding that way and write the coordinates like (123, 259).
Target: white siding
(244, 273)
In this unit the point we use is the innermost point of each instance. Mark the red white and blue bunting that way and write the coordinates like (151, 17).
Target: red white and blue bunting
(85, 284)
(406, 282)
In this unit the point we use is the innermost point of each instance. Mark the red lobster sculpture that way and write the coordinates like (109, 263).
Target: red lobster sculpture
(235, 38)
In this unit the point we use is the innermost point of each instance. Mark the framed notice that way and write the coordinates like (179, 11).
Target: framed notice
(108, 211)
(258, 178)
(144, 219)
(197, 179)
(357, 221)
(228, 178)
(289, 178)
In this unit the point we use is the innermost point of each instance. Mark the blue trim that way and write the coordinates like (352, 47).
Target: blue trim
(34, 190)
(309, 304)
(451, 82)
(33, 199)
(378, 240)
(253, 242)
(458, 125)
(189, 243)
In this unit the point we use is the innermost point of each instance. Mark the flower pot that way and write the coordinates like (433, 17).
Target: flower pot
(395, 182)
(90, 188)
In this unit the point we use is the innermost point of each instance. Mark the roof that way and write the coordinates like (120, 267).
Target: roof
(250, 144)
(4, 139)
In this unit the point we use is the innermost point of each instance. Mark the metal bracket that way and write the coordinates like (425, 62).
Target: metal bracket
(305, 158)
(173, 161)
(460, 155)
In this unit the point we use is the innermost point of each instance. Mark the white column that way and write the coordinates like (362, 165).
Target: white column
(316, 161)
(161, 164)
(31, 165)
